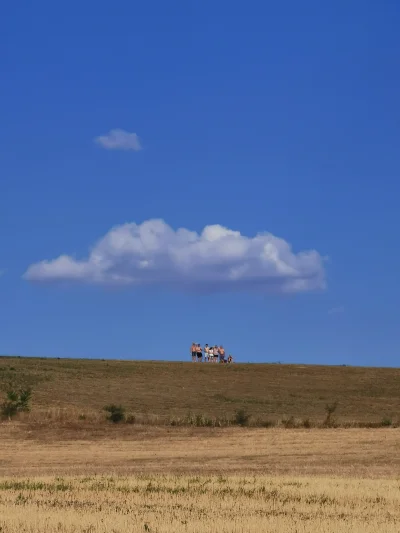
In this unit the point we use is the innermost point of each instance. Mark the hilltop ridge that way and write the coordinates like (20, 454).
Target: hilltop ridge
(176, 388)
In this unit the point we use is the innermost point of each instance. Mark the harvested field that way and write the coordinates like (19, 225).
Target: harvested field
(199, 480)
(191, 504)
(328, 452)
(64, 469)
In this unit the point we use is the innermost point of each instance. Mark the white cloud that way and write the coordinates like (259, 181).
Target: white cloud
(152, 253)
(119, 140)
(336, 310)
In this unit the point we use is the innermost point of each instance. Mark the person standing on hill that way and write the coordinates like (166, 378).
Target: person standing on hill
(215, 354)
(210, 354)
(206, 353)
(193, 350)
(221, 352)
(199, 354)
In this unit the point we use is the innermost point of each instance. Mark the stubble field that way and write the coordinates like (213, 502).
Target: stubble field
(200, 480)
(63, 468)
(192, 504)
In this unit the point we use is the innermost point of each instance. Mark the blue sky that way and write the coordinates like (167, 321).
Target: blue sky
(273, 119)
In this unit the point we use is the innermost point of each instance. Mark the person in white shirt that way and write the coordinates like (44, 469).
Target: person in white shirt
(210, 354)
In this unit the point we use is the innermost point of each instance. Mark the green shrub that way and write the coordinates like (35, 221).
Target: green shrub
(116, 413)
(330, 409)
(189, 420)
(386, 422)
(16, 401)
(241, 418)
(208, 422)
(199, 421)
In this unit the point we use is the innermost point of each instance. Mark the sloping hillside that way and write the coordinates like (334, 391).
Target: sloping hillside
(174, 389)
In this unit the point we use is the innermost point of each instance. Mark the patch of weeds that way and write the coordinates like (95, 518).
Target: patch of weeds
(16, 401)
(330, 409)
(116, 413)
(21, 499)
(241, 418)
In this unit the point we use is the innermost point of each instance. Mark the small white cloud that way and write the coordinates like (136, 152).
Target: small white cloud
(336, 310)
(152, 253)
(119, 140)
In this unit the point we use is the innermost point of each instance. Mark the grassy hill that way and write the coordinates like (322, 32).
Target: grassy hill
(168, 389)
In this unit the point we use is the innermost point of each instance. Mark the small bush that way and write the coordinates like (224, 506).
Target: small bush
(208, 422)
(330, 409)
(16, 401)
(241, 418)
(189, 420)
(306, 423)
(199, 421)
(386, 422)
(116, 413)
(130, 419)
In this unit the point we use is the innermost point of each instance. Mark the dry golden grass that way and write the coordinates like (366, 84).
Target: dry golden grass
(131, 449)
(157, 390)
(74, 473)
(123, 479)
(192, 504)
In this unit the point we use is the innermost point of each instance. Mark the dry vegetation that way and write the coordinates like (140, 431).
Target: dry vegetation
(133, 449)
(192, 504)
(176, 480)
(65, 469)
(156, 391)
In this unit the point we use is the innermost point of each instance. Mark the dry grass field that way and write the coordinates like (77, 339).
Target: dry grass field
(160, 390)
(199, 480)
(198, 504)
(64, 469)
(123, 450)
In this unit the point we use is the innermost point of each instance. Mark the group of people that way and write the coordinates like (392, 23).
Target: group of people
(212, 354)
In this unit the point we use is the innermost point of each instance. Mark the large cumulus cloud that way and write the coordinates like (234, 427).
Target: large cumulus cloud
(153, 253)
